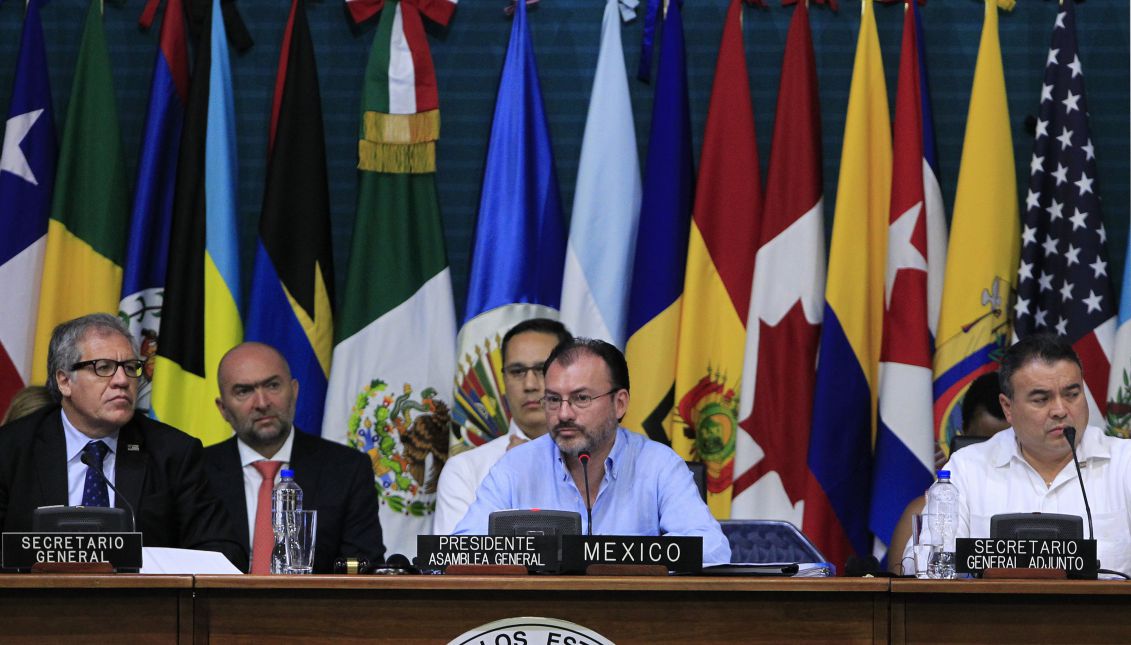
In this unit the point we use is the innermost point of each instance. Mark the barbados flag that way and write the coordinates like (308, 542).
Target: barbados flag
(720, 266)
(27, 174)
(985, 241)
(661, 244)
(290, 306)
(840, 446)
(519, 248)
(147, 251)
(904, 455)
(86, 237)
(200, 318)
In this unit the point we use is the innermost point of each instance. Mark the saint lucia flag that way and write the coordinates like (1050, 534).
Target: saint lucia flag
(840, 446)
(290, 306)
(200, 317)
(606, 202)
(27, 173)
(396, 327)
(147, 251)
(86, 237)
(519, 249)
(905, 455)
(985, 241)
(661, 244)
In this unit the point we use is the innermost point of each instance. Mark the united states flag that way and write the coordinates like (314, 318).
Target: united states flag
(1063, 282)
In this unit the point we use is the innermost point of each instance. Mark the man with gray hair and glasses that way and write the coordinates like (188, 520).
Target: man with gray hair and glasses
(93, 369)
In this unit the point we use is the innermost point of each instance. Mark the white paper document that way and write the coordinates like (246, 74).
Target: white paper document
(165, 560)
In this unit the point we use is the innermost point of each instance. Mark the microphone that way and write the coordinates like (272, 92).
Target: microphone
(89, 461)
(584, 459)
(1070, 436)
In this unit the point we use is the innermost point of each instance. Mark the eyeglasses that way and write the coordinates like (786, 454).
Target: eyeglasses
(518, 372)
(106, 367)
(578, 401)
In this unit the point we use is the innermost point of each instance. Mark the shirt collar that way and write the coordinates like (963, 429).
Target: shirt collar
(248, 455)
(612, 462)
(514, 430)
(76, 440)
(1091, 447)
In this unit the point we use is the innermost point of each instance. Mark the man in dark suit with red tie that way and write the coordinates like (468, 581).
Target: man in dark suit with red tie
(257, 398)
(93, 369)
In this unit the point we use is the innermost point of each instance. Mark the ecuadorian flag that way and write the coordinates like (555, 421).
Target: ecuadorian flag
(200, 319)
(985, 241)
(844, 408)
(86, 237)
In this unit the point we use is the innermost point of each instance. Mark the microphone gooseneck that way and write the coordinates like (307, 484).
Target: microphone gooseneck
(584, 459)
(89, 461)
(1070, 437)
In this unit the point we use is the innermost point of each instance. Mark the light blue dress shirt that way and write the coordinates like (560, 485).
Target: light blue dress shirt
(647, 490)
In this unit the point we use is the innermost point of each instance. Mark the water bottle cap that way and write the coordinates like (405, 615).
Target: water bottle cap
(944, 474)
(287, 473)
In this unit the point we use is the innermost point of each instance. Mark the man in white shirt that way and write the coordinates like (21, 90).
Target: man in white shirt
(1028, 467)
(525, 348)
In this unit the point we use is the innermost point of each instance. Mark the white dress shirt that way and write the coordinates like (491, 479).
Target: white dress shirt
(992, 478)
(76, 470)
(461, 477)
(252, 479)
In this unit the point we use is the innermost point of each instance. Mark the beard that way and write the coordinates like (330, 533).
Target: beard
(588, 439)
(258, 436)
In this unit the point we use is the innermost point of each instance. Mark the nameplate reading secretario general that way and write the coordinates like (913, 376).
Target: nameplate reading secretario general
(440, 551)
(1077, 557)
(25, 550)
(683, 554)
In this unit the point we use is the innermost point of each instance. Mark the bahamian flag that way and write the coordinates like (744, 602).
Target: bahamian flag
(985, 241)
(290, 304)
(147, 251)
(904, 453)
(200, 316)
(661, 244)
(396, 327)
(27, 174)
(606, 201)
(519, 248)
(86, 237)
(844, 406)
(720, 267)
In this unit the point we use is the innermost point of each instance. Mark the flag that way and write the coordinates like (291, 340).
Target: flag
(606, 201)
(720, 266)
(200, 316)
(27, 174)
(86, 236)
(395, 329)
(147, 248)
(519, 248)
(1119, 384)
(984, 241)
(290, 304)
(904, 453)
(844, 407)
(786, 304)
(1062, 281)
(661, 243)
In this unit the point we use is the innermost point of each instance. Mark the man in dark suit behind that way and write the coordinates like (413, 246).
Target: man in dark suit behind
(93, 369)
(257, 397)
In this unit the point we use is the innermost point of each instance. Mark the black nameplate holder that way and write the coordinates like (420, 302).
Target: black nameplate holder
(1076, 557)
(122, 551)
(682, 554)
(535, 552)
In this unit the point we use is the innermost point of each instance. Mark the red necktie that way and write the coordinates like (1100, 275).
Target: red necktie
(263, 542)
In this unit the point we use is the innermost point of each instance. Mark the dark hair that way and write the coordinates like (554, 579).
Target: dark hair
(982, 393)
(569, 351)
(1046, 348)
(539, 325)
(64, 351)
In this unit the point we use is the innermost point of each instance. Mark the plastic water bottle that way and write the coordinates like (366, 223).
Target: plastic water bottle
(285, 498)
(942, 508)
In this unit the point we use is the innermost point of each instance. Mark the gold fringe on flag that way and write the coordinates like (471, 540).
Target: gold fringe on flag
(413, 158)
(402, 128)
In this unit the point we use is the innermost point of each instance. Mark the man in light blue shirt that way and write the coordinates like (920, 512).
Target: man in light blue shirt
(637, 486)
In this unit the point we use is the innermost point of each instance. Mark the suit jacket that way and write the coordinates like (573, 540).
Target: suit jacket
(336, 481)
(158, 468)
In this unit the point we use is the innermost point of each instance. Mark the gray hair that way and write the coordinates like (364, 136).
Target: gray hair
(64, 350)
